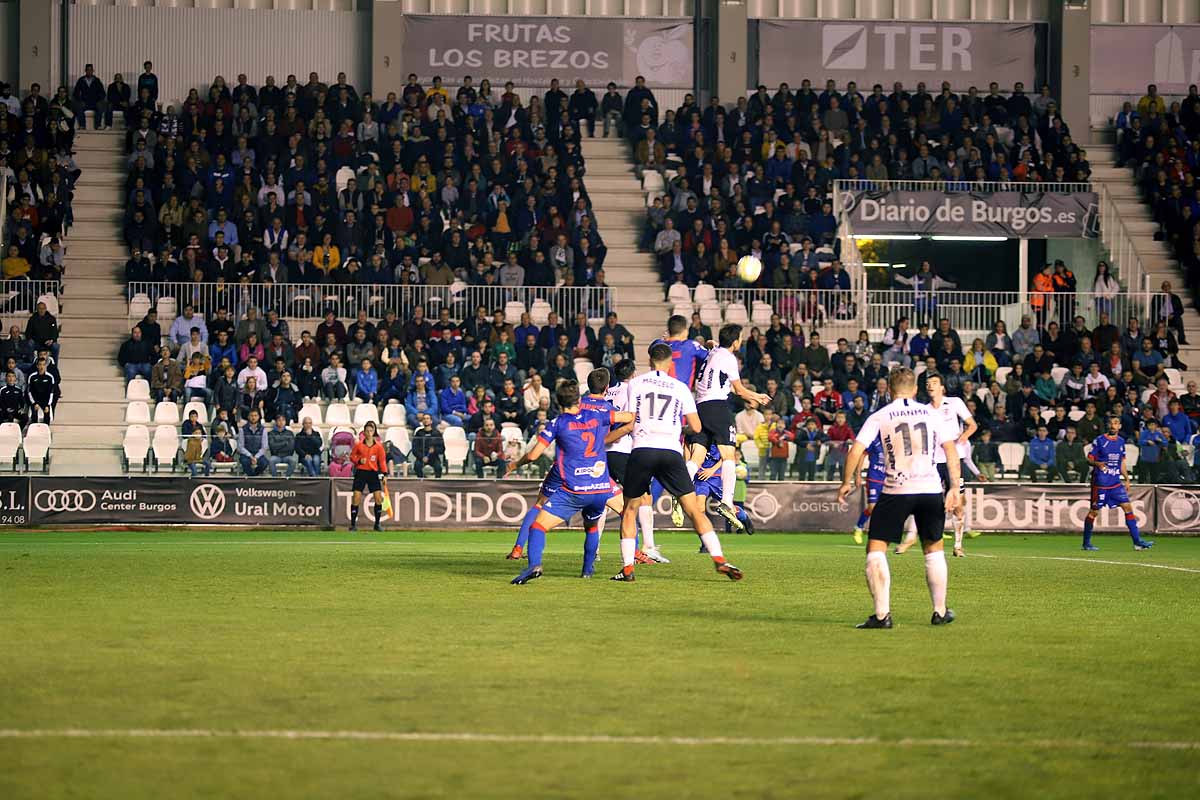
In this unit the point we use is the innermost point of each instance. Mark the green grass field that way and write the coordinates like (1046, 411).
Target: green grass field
(1061, 678)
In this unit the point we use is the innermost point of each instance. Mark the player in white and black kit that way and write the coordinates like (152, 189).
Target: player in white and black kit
(718, 378)
(618, 444)
(911, 433)
(955, 413)
(661, 405)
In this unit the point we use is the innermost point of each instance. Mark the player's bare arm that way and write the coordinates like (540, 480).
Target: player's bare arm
(693, 422)
(954, 469)
(615, 434)
(533, 454)
(853, 464)
(970, 426)
(744, 392)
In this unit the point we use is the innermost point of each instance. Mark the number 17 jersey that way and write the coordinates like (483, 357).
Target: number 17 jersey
(660, 403)
(911, 434)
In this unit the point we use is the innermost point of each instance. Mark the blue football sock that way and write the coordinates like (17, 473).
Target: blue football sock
(1087, 531)
(1131, 523)
(741, 514)
(591, 543)
(530, 516)
(862, 519)
(537, 543)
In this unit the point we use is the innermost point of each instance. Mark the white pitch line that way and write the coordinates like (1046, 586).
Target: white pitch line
(505, 738)
(1082, 560)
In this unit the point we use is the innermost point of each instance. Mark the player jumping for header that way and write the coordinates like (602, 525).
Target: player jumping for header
(1110, 485)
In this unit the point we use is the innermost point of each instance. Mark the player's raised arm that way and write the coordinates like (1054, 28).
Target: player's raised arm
(746, 393)
(853, 464)
(533, 454)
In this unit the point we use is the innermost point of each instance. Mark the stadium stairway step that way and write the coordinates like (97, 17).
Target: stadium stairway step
(619, 205)
(85, 461)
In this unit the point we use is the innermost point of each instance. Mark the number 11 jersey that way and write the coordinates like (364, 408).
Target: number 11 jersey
(911, 434)
(660, 403)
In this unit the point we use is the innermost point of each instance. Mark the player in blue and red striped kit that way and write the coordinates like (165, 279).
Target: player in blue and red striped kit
(578, 434)
(686, 354)
(876, 474)
(708, 484)
(1110, 484)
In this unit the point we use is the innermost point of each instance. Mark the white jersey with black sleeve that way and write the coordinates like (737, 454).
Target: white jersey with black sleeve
(659, 403)
(717, 376)
(618, 395)
(953, 411)
(912, 433)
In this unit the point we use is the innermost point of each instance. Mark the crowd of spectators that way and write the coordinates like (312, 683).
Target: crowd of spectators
(757, 178)
(1043, 387)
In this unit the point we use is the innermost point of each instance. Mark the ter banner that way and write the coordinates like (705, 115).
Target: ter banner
(457, 504)
(1127, 58)
(965, 54)
(530, 51)
(1049, 507)
(179, 501)
(1016, 215)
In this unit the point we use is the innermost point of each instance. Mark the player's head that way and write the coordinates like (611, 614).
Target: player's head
(902, 383)
(660, 355)
(1114, 425)
(677, 325)
(730, 336)
(934, 385)
(598, 380)
(623, 369)
(567, 394)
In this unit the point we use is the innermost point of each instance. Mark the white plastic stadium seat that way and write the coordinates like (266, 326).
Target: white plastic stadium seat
(453, 434)
(313, 411)
(1011, 456)
(705, 293)
(138, 389)
(1075, 415)
(337, 414)
(760, 314)
(136, 446)
(166, 308)
(735, 314)
(1132, 454)
(1146, 394)
(679, 293)
(394, 416)
(710, 314)
(37, 444)
(1174, 380)
(51, 303)
(513, 310)
(138, 306)
(750, 453)
(683, 310)
(166, 446)
(1046, 414)
(456, 447)
(583, 368)
(197, 406)
(137, 412)
(166, 413)
(10, 443)
(364, 413)
(1058, 373)
(539, 312)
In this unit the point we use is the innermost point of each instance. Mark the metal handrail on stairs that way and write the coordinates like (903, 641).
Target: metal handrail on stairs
(1120, 243)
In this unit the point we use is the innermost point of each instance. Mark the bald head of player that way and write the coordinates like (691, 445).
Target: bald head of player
(598, 380)
(660, 355)
(902, 383)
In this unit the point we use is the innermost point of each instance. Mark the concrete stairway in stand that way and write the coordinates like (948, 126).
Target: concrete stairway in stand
(1157, 258)
(90, 422)
(619, 204)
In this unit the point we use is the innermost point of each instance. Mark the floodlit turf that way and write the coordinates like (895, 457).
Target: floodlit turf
(1054, 670)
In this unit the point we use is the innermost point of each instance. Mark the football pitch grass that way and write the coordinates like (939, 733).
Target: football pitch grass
(327, 664)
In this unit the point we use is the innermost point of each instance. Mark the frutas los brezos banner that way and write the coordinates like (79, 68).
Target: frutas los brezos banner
(1126, 58)
(1017, 215)
(885, 52)
(530, 51)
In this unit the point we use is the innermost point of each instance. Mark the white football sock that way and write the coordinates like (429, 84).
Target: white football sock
(959, 524)
(628, 548)
(646, 520)
(600, 522)
(692, 468)
(728, 481)
(910, 530)
(935, 576)
(712, 544)
(879, 581)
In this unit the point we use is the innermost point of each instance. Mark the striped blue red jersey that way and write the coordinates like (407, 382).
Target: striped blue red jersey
(579, 448)
(1110, 452)
(876, 466)
(686, 359)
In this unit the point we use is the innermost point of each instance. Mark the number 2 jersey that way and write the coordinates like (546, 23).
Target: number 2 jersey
(686, 355)
(578, 440)
(910, 433)
(660, 403)
(1110, 452)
